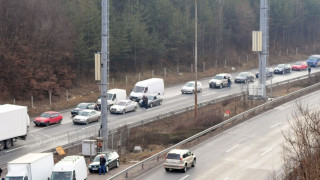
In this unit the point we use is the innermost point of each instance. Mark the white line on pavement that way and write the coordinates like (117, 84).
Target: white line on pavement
(232, 148)
(266, 152)
(275, 125)
(184, 177)
(208, 94)
(313, 106)
(16, 148)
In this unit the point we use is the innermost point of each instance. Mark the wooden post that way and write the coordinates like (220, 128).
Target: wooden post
(165, 72)
(225, 62)
(139, 76)
(204, 66)
(191, 68)
(152, 73)
(50, 102)
(67, 94)
(31, 102)
(296, 50)
(126, 80)
(178, 70)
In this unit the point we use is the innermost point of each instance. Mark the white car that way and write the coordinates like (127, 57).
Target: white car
(86, 116)
(179, 159)
(124, 106)
(190, 87)
(220, 80)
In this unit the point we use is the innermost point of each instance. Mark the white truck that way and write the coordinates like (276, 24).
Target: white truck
(113, 97)
(148, 86)
(32, 166)
(70, 168)
(14, 121)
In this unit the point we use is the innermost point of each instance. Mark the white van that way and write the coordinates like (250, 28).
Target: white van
(153, 86)
(70, 168)
(113, 97)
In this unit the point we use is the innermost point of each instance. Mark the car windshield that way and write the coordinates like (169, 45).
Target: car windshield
(312, 58)
(280, 66)
(46, 115)
(97, 158)
(218, 77)
(110, 96)
(61, 175)
(298, 63)
(138, 89)
(243, 74)
(14, 178)
(82, 106)
(173, 156)
(121, 103)
(84, 113)
(190, 84)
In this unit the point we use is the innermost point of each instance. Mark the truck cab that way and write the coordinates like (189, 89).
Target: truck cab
(113, 97)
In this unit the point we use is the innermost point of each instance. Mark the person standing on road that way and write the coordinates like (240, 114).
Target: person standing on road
(229, 82)
(145, 101)
(309, 70)
(102, 165)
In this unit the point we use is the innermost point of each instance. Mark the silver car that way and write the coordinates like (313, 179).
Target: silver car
(86, 116)
(124, 106)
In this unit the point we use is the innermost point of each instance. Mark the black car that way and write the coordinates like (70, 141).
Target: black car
(269, 73)
(282, 69)
(153, 100)
(81, 107)
(112, 158)
(244, 77)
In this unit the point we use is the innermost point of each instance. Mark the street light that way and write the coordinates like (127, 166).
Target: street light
(196, 61)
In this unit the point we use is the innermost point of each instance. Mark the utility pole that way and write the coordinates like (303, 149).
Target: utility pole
(196, 61)
(263, 55)
(104, 72)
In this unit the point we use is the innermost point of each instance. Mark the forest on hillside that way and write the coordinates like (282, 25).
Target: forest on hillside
(47, 46)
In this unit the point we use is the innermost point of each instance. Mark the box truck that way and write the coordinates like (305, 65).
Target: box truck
(14, 125)
(70, 168)
(113, 97)
(152, 86)
(32, 166)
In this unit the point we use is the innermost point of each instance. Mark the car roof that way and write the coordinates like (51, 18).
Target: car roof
(127, 100)
(316, 55)
(88, 110)
(178, 151)
(223, 74)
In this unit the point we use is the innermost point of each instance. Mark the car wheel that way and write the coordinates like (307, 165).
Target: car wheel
(47, 124)
(210, 86)
(59, 122)
(200, 90)
(283, 72)
(221, 86)
(90, 171)
(160, 102)
(118, 164)
(167, 169)
(245, 81)
(151, 105)
(107, 169)
(123, 111)
(1, 145)
(87, 122)
(194, 162)
(135, 108)
(184, 170)
(8, 144)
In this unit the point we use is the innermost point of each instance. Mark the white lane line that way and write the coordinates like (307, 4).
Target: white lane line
(232, 148)
(266, 152)
(209, 94)
(184, 177)
(226, 178)
(275, 125)
(16, 148)
(313, 106)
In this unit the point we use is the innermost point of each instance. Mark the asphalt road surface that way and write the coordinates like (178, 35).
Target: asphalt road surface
(249, 151)
(44, 138)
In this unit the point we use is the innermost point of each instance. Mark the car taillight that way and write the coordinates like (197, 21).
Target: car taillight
(181, 159)
(165, 158)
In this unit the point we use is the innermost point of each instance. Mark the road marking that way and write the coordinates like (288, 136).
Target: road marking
(226, 178)
(232, 148)
(275, 125)
(266, 152)
(153, 108)
(16, 148)
(184, 177)
(209, 94)
(313, 107)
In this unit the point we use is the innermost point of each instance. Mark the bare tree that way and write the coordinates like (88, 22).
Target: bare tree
(302, 142)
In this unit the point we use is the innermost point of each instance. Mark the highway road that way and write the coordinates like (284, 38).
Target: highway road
(249, 151)
(44, 138)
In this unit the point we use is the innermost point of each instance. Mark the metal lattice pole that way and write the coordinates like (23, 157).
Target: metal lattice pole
(104, 72)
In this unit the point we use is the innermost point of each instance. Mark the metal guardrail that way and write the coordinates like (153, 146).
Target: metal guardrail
(240, 116)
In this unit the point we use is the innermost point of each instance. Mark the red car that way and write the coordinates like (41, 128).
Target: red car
(47, 118)
(298, 66)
